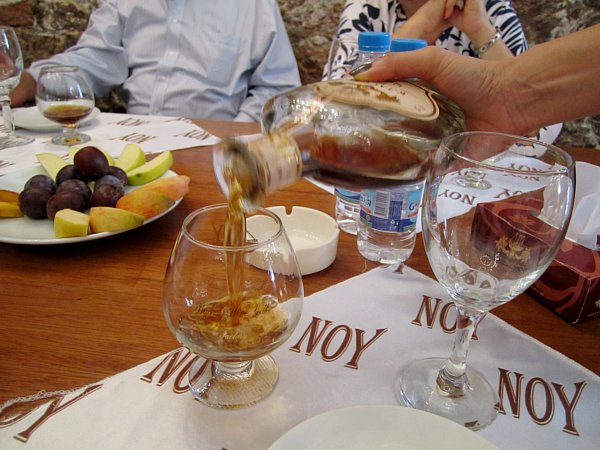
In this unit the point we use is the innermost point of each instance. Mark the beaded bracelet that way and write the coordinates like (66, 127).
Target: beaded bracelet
(485, 47)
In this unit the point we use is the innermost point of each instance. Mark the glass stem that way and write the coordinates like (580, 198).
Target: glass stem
(452, 379)
(237, 371)
(69, 134)
(7, 114)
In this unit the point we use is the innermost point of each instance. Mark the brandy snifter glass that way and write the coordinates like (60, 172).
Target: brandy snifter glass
(65, 97)
(232, 305)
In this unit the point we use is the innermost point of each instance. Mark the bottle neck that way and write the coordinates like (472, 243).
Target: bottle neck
(279, 157)
(253, 169)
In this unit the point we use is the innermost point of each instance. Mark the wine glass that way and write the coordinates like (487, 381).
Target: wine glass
(11, 68)
(232, 294)
(64, 96)
(486, 256)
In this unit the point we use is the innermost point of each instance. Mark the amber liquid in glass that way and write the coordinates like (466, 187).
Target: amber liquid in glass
(68, 115)
(243, 321)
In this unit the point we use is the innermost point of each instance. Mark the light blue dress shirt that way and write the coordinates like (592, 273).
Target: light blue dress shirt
(214, 59)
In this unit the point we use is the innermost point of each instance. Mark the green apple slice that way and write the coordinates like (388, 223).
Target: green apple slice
(74, 149)
(131, 157)
(151, 170)
(105, 218)
(51, 163)
(70, 223)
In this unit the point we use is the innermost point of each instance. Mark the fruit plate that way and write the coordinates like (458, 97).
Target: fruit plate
(31, 119)
(27, 231)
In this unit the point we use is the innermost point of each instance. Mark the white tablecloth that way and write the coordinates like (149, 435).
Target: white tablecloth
(548, 401)
(111, 132)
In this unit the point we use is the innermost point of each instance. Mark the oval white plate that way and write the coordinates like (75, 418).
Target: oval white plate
(31, 119)
(389, 427)
(23, 230)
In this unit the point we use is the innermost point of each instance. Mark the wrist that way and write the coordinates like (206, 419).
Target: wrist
(482, 35)
(483, 47)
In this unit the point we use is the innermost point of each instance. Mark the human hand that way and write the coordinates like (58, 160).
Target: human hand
(472, 19)
(477, 86)
(428, 21)
(434, 16)
(24, 92)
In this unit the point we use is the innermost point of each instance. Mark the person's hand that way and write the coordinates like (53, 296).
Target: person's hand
(434, 16)
(472, 20)
(474, 84)
(24, 92)
(428, 21)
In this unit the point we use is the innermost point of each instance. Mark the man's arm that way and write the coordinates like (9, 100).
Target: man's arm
(98, 52)
(24, 92)
(275, 73)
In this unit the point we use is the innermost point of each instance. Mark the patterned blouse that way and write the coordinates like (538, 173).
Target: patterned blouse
(388, 15)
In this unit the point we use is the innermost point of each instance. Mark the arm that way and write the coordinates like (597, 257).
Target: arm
(98, 52)
(276, 72)
(24, 92)
(550, 83)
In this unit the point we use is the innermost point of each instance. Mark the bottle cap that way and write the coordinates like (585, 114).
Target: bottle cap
(373, 41)
(406, 45)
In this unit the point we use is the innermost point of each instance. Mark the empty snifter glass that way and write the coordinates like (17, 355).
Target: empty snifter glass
(232, 304)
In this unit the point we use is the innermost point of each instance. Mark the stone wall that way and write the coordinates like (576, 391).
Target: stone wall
(48, 26)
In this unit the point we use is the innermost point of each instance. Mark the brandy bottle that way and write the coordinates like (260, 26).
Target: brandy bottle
(342, 132)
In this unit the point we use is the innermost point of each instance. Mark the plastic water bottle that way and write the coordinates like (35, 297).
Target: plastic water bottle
(371, 45)
(388, 217)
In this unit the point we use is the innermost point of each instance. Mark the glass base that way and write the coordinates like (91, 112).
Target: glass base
(233, 385)
(417, 388)
(71, 139)
(14, 140)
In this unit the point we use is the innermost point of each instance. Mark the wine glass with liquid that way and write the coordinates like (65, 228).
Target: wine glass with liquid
(11, 68)
(64, 96)
(486, 253)
(232, 294)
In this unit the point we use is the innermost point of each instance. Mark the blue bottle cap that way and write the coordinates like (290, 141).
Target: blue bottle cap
(373, 41)
(406, 45)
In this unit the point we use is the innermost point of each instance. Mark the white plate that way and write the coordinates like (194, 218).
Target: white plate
(32, 119)
(23, 230)
(389, 427)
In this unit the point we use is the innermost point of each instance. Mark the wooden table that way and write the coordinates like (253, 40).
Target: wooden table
(74, 314)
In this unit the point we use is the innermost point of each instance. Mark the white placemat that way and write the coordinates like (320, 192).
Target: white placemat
(111, 132)
(372, 325)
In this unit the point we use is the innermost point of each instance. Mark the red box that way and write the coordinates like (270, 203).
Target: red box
(570, 286)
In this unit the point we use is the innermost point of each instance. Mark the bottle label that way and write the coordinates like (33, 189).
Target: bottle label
(392, 210)
(348, 195)
(403, 97)
(279, 158)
